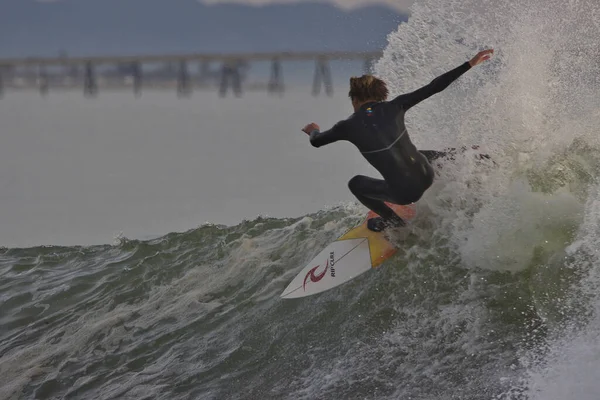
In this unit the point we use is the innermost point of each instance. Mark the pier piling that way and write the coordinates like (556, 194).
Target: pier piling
(368, 65)
(322, 76)
(90, 86)
(136, 70)
(184, 88)
(230, 77)
(276, 81)
(43, 81)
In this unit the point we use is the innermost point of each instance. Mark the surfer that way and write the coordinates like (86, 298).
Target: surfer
(377, 129)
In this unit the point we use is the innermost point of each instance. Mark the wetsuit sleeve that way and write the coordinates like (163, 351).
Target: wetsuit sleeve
(440, 83)
(318, 139)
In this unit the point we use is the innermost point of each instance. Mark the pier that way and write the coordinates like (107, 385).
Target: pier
(93, 74)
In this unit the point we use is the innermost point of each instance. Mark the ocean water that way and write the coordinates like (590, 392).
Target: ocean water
(494, 295)
(79, 171)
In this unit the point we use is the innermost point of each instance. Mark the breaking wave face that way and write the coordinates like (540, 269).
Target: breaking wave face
(494, 296)
(534, 107)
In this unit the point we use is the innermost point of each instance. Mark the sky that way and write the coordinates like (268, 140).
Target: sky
(194, 26)
(401, 5)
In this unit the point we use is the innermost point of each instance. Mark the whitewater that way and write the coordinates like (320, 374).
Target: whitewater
(494, 295)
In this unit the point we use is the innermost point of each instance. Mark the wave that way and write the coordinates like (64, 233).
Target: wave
(198, 313)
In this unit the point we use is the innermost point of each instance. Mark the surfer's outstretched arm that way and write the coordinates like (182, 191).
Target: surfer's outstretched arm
(406, 101)
(318, 138)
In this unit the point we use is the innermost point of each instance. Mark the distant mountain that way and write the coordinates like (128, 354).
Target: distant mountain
(100, 27)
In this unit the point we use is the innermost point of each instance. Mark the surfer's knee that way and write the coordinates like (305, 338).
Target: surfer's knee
(355, 184)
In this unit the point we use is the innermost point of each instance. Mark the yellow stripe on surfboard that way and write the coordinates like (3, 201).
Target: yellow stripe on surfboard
(380, 248)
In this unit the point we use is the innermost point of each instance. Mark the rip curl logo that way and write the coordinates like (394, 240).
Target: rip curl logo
(315, 278)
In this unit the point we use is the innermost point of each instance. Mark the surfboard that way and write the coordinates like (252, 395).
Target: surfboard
(352, 254)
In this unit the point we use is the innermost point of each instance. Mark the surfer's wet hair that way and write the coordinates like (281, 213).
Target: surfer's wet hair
(367, 87)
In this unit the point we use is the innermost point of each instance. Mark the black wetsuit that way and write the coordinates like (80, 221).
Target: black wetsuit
(379, 133)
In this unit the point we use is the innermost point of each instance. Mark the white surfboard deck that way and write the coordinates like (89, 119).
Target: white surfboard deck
(338, 263)
(354, 253)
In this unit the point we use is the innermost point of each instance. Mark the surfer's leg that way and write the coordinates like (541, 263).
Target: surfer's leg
(372, 193)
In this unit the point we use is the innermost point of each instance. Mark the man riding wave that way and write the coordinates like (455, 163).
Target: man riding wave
(377, 129)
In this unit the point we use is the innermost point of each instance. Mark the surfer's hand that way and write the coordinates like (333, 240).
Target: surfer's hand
(311, 127)
(481, 57)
